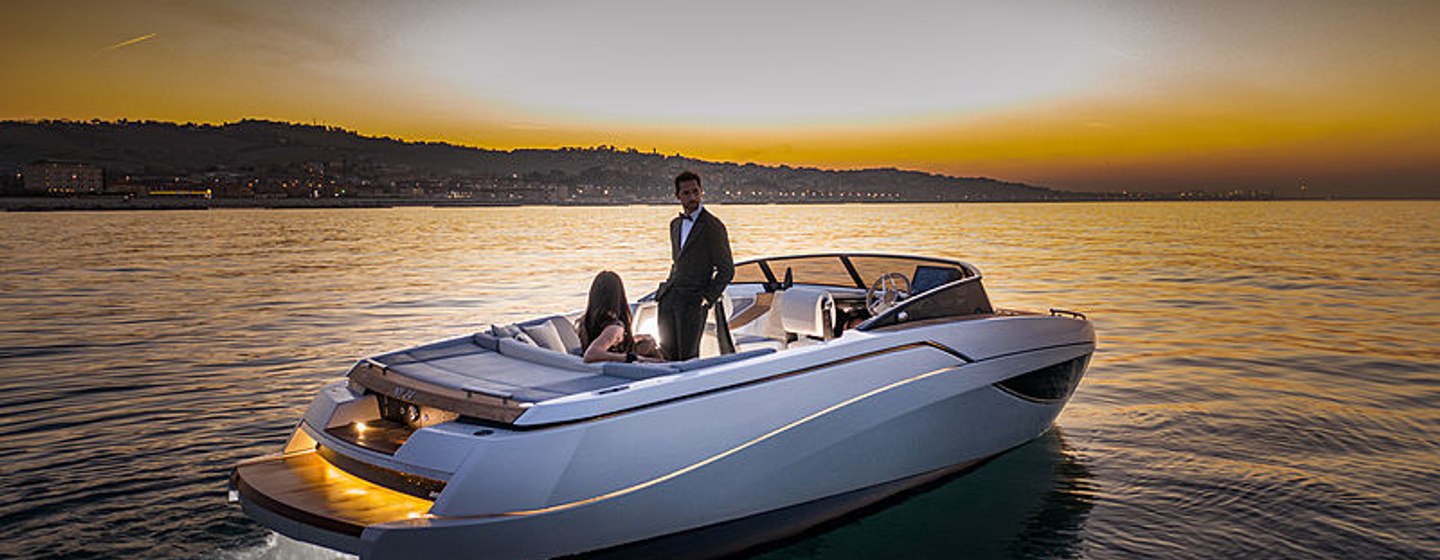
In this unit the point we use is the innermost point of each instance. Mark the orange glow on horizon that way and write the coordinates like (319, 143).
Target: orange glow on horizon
(1085, 98)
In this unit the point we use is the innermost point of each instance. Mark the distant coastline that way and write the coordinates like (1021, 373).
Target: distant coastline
(122, 204)
(267, 164)
(270, 164)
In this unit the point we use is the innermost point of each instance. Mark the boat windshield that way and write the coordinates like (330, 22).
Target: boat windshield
(851, 270)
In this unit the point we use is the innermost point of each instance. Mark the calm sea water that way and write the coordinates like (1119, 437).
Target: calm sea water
(1268, 381)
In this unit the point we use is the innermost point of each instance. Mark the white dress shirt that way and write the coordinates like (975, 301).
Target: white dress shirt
(687, 225)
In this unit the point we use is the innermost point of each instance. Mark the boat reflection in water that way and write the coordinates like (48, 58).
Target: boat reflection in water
(1031, 502)
(827, 384)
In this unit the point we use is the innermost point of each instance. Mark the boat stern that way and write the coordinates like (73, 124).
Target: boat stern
(304, 496)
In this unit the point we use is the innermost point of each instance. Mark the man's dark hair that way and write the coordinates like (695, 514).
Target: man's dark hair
(687, 176)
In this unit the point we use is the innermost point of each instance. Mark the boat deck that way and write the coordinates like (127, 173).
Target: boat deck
(492, 379)
(304, 487)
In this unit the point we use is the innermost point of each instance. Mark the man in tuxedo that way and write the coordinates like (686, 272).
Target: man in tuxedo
(700, 269)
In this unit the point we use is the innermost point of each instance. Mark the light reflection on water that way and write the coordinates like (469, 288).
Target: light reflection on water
(1268, 381)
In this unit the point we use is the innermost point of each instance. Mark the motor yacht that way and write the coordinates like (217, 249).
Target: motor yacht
(826, 383)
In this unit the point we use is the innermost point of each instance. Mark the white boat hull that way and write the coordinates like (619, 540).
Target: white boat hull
(750, 450)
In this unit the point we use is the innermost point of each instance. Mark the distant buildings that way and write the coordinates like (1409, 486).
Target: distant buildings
(59, 177)
(612, 183)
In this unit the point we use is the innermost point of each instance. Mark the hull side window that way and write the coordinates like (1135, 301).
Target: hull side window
(1050, 383)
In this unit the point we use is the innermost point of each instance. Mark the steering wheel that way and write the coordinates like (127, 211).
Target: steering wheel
(887, 291)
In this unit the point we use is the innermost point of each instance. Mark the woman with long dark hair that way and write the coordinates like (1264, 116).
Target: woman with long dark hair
(605, 327)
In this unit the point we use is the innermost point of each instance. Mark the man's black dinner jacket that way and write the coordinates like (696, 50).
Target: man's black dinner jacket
(703, 266)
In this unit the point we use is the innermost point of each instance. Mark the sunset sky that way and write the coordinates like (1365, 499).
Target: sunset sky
(1342, 96)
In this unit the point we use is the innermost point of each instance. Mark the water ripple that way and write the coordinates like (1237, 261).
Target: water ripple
(1277, 397)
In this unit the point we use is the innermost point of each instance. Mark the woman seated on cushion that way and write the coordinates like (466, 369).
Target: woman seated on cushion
(605, 327)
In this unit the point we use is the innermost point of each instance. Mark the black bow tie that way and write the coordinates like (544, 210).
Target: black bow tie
(687, 216)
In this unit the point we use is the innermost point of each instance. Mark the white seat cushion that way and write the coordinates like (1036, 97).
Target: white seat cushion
(568, 337)
(808, 312)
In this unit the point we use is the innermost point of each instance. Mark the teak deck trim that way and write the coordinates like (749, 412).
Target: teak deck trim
(306, 488)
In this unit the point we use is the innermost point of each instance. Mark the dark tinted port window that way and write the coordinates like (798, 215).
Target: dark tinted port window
(1049, 383)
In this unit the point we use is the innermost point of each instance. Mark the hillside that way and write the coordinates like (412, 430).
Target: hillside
(273, 151)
